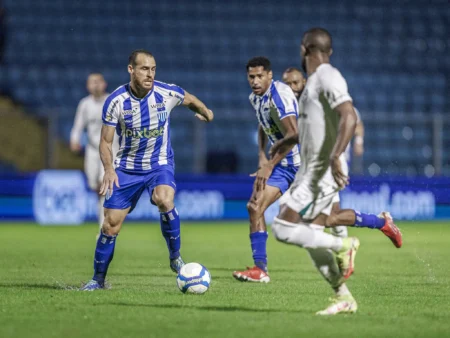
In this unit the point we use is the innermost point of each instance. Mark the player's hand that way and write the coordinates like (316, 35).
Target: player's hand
(109, 179)
(75, 147)
(358, 149)
(262, 175)
(204, 118)
(338, 175)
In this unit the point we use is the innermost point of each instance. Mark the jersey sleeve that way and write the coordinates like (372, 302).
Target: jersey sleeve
(285, 102)
(110, 112)
(79, 123)
(333, 86)
(177, 93)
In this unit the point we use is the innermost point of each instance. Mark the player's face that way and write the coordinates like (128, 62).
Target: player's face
(143, 73)
(296, 81)
(96, 84)
(259, 79)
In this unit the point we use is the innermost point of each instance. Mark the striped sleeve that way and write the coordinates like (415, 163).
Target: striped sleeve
(173, 92)
(285, 102)
(111, 108)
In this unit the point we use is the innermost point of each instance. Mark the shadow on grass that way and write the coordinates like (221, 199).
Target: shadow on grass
(35, 286)
(206, 308)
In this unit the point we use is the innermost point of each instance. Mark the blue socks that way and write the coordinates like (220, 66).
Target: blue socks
(104, 253)
(258, 241)
(170, 228)
(368, 221)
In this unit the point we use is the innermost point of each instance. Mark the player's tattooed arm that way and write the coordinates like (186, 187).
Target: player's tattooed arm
(110, 178)
(347, 125)
(281, 148)
(198, 107)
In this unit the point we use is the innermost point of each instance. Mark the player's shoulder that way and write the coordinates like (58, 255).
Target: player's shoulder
(327, 72)
(85, 100)
(167, 88)
(118, 95)
(281, 89)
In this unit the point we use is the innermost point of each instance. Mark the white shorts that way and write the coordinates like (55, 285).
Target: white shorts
(311, 197)
(93, 168)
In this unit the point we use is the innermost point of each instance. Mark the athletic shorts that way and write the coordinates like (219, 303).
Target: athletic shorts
(132, 185)
(282, 177)
(93, 168)
(310, 196)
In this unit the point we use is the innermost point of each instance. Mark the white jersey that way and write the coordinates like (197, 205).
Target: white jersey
(277, 103)
(318, 123)
(89, 117)
(143, 125)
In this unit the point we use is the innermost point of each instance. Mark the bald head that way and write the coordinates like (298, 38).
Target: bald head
(317, 40)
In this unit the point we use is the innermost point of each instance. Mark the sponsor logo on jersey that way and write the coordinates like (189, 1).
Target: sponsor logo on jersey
(271, 130)
(175, 94)
(143, 133)
(158, 105)
(131, 112)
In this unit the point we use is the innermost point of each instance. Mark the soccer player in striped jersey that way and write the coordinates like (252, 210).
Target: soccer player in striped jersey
(140, 113)
(276, 110)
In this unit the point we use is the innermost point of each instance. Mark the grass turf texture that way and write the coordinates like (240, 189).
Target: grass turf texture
(400, 293)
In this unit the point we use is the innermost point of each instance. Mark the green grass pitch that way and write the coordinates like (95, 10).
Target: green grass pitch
(400, 292)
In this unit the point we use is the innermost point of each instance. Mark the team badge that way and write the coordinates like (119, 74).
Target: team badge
(162, 116)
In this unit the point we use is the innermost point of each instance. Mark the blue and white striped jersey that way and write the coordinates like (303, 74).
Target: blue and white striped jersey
(277, 103)
(142, 125)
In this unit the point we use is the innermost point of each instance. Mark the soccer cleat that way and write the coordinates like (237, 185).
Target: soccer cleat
(391, 230)
(92, 285)
(346, 256)
(340, 304)
(254, 274)
(176, 264)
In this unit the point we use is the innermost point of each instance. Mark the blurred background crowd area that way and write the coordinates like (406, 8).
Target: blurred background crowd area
(393, 54)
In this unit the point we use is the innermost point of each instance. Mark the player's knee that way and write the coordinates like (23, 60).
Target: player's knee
(111, 226)
(164, 203)
(252, 208)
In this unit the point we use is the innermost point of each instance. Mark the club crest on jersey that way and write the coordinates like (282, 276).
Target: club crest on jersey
(162, 116)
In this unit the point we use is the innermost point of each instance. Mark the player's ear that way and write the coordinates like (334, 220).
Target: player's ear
(130, 69)
(330, 52)
(270, 75)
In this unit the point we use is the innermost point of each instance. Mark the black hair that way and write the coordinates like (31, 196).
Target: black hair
(259, 61)
(135, 53)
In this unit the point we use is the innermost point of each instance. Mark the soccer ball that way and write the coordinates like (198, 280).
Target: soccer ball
(193, 278)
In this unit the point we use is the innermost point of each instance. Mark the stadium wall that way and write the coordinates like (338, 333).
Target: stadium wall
(62, 197)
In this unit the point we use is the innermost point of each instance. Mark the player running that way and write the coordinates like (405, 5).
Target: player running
(276, 110)
(327, 121)
(89, 117)
(294, 78)
(140, 112)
